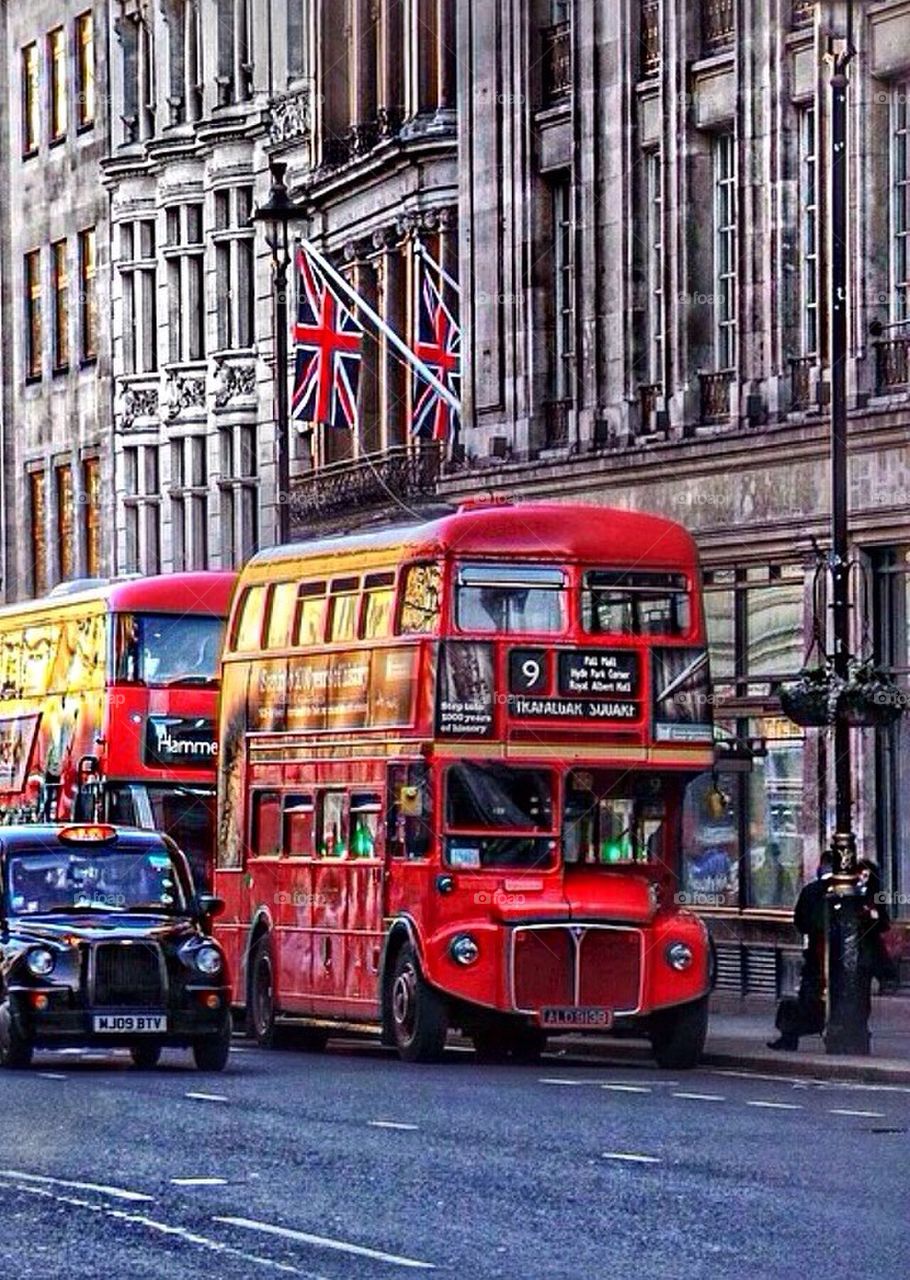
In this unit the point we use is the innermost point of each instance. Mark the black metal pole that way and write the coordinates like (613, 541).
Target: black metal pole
(283, 442)
(847, 1022)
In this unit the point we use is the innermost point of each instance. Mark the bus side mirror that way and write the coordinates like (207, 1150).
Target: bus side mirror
(209, 905)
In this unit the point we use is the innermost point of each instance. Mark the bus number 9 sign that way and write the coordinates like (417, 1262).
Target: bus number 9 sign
(528, 670)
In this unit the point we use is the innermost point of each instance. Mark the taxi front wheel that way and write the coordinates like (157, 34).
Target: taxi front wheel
(15, 1048)
(145, 1056)
(212, 1052)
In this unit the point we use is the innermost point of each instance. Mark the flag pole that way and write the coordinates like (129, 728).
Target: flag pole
(423, 252)
(373, 316)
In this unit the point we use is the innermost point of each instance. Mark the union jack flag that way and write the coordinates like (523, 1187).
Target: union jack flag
(329, 342)
(438, 345)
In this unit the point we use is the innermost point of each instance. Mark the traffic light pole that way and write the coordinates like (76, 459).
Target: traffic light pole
(847, 1028)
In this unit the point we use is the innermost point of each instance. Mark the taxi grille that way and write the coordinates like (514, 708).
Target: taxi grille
(128, 974)
(568, 965)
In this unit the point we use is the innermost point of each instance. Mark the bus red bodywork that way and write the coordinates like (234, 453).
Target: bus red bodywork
(451, 780)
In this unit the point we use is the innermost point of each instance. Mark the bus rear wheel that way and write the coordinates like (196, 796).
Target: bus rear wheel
(420, 1020)
(678, 1035)
(261, 999)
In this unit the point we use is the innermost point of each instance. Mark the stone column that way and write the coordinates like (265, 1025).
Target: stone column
(391, 67)
(445, 55)
(421, 49)
(363, 68)
(393, 375)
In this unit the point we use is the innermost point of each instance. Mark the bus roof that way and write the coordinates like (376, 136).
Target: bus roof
(206, 592)
(533, 530)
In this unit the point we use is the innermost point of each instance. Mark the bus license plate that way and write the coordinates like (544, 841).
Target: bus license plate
(130, 1023)
(584, 1017)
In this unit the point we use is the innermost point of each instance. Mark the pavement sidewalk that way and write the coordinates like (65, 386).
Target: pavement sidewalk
(739, 1030)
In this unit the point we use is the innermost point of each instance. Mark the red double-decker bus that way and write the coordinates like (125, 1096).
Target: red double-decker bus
(451, 781)
(108, 695)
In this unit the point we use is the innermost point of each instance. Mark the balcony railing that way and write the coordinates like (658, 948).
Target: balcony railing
(802, 13)
(364, 484)
(650, 38)
(556, 423)
(715, 396)
(557, 63)
(892, 365)
(718, 24)
(801, 383)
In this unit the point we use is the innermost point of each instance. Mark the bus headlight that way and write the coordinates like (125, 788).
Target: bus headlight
(40, 962)
(208, 960)
(679, 956)
(464, 950)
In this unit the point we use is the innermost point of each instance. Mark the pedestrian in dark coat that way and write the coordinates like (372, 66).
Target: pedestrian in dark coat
(804, 1014)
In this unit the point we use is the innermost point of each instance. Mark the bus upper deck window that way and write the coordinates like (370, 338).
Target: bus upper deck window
(378, 605)
(281, 615)
(515, 599)
(420, 600)
(248, 628)
(624, 603)
(343, 602)
(310, 613)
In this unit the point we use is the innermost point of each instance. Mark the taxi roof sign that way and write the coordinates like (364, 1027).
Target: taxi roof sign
(88, 833)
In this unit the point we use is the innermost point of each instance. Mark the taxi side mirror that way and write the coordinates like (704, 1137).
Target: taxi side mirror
(209, 905)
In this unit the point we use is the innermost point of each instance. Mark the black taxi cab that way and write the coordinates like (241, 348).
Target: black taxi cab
(104, 941)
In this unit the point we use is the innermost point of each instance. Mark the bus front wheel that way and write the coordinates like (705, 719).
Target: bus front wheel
(261, 1001)
(419, 1017)
(678, 1035)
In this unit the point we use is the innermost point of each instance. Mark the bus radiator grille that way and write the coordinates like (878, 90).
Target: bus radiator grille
(128, 974)
(567, 965)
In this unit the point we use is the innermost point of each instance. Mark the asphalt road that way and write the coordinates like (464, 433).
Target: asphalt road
(352, 1166)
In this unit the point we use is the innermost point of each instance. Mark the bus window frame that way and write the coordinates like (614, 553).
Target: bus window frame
(265, 635)
(313, 589)
(368, 589)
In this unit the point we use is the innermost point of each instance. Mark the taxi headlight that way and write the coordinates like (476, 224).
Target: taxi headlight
(208, 960)
(40, 961)
(679, 956)
(464, 949)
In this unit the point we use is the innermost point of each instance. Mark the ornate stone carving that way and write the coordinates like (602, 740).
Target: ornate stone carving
(237, 382)
(138, 402)
(184, 391)
(289, 117)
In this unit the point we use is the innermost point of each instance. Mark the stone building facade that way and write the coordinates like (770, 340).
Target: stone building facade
(643, 213)
(54, 277)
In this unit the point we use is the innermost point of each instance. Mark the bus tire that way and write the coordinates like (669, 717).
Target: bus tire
(419, 1016)
(15, 1048)
(678, 1035)
(145, 1056)
(261, 999)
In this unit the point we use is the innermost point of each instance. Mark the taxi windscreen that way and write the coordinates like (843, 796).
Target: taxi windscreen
(68, 880)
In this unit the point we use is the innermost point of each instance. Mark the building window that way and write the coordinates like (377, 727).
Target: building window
(31, 102)
(564, 279)
(91, 515)
(298, 39)
(655, 274)
(808, 210)
(141, 505)
(37, 493)
(33, 333)
(88, 298)
(234, 239)
(56, 63)
(61, 287)
(66, 529)
(189, 503)
(84, 27)
(239, 494)
(725, 245)
(234, 77)
(900, 201)
(185, 255)
(139, 284)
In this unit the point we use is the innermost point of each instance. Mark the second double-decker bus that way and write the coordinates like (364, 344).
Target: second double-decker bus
(108, 694)
(452, 767)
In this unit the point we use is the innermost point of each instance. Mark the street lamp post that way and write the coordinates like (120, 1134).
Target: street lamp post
(847, 1021)
(277, 213)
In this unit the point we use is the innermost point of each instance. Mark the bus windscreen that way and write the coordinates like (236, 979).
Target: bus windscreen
(161, 649)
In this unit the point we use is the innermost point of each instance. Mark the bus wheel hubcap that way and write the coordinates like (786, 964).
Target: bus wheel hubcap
(404, 995)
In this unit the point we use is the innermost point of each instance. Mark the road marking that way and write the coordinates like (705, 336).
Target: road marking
(165, 1228)
(631, 1156)
(776, 1106)
(554, 1080)
(845, 1111)
(208, 1097)
(390, 1124)
(701, 1097)
(627, 1088)
(51, 1075)
(326, 1242)
(199, 1182)
(118, 1193)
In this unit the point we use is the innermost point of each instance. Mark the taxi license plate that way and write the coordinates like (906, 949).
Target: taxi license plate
(130, 1023)
(584, 1017)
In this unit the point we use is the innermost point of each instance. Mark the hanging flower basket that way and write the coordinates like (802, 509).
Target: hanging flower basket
(871, 699)
(811, 700)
